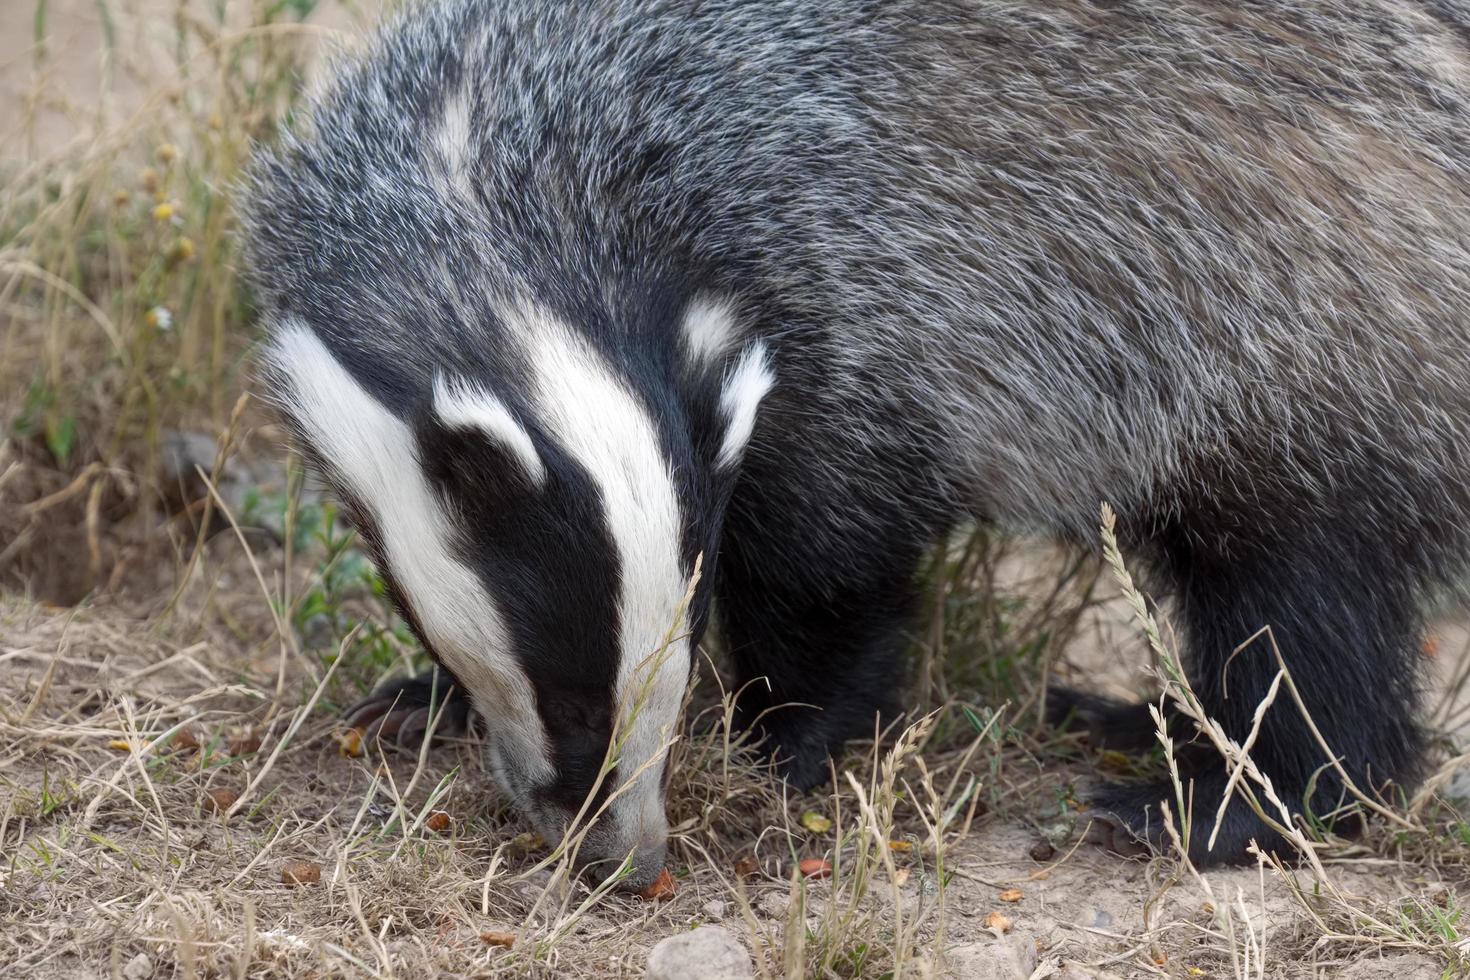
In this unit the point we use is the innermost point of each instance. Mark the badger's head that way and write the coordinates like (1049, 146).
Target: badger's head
(538, 524)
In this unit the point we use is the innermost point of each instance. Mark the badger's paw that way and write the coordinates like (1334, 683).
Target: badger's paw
(400, 712)
(1115, 725)
(1129, 818)
(799, 749)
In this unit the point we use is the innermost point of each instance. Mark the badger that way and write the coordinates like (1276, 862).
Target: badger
(566, 299)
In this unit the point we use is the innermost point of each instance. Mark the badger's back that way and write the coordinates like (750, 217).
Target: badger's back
(1177, 254)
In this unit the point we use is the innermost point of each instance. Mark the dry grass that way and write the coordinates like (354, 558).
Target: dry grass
(176, 643)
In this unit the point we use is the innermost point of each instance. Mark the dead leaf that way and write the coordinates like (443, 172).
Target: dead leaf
(244, 745)
(219, 800)
(815, 822)
(349, 742)
(1011, 895)
(492, 938)
(300, 873)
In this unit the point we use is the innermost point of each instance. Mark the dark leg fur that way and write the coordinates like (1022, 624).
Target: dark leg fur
(1109, 724)
(1344, 618)
(815, 670)
(400, 711)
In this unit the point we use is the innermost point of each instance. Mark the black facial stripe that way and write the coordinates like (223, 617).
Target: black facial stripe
(546, 555)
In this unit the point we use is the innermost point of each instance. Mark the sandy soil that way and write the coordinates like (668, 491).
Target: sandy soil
(118, 856)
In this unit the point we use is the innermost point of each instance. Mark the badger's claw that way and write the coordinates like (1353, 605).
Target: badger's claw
(1129, 818)
(400, 711)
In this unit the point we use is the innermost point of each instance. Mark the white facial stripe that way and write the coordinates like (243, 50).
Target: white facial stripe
(709, 328)
(583, 403)
(746, 384)
(373, 452)
(467, 406)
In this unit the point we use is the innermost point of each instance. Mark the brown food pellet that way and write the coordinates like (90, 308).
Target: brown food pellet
(185, 740)
(747, 867)
(492, 938)
(438, 822)
(1043, 850)
(300, 873)
(815, 868)
(998, 921)
(219, 800)
(1011, 895)
(663, 887)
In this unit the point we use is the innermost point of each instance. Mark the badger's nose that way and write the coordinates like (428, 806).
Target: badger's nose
(647, 862)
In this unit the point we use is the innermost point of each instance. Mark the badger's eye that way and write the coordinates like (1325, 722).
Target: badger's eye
(574, 716)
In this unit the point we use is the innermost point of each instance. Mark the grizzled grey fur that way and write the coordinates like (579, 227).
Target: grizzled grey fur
(1208, 262)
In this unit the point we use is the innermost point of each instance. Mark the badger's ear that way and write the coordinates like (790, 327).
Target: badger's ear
(466, 415)
(745, 385)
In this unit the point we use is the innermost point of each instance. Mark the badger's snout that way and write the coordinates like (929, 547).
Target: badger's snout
(612, 828)
(644, 861)
(609, 848)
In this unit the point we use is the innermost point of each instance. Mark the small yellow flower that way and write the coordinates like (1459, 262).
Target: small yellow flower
(121, 198)
(167, 154)
(148, 177)
(183, 250)
(163, 212)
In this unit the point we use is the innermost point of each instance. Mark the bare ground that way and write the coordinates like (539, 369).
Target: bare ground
(118, 859)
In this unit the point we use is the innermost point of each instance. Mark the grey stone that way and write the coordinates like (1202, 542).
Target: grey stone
(706, 953)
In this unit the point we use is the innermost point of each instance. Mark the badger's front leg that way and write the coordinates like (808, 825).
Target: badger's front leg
(815, 604)
(815, 668)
